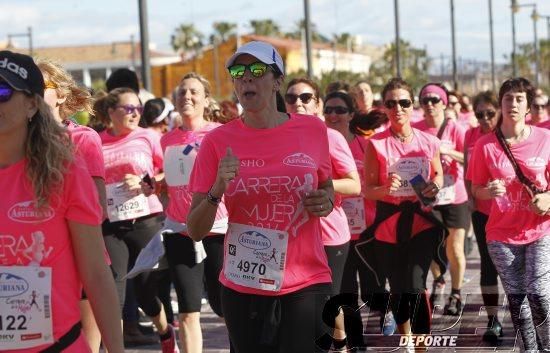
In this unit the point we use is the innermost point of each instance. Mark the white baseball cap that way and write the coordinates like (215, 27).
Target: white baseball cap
(263, 51)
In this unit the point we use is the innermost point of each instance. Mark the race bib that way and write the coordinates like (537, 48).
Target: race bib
(354, 208)
(447, 193)
(255, 257)
(25, 307)
(125, 204)
(407, 168)
(178, 163)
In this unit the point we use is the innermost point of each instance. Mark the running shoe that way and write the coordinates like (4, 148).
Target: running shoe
(170, 345)
(388, 324)
(454, 307)
(494, 331)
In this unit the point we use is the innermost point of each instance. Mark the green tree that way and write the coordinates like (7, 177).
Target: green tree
(525, 57)
(265, 28)
(187, 38)
(224, 30)
(300, 27)
(415, 64)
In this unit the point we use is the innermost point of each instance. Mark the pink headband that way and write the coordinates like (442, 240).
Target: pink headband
(435, 90)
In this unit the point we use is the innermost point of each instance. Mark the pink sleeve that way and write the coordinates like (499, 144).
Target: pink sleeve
(478, 171)
(89, 147)
(205, 168)
(460, 135)
(325, 168)
(158, 157)
(80, 196)
(341, 156)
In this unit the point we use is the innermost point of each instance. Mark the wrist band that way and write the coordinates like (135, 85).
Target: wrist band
(215, 201)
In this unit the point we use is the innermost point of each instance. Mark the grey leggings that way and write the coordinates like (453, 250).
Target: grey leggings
(524, 271)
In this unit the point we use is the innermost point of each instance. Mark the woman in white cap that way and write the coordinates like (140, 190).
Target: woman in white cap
(50, 208)
(275, 184)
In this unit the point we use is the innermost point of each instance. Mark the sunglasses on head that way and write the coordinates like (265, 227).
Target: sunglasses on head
(304, 97)
(433, 100)
(49, 84)
(130, 109)
(336, 110)
(403, 103)
(257, 69)
(6, 91)
(490, 114)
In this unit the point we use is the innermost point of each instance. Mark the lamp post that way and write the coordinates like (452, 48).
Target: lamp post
(493, 79)
(28, 34)
(534, 16)
(453, 42)
(514, 8)
(144, 38)
(308, 39)
(397, 39)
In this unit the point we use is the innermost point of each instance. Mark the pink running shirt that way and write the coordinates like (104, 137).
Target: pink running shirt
(512, 222)
(358, 146)
(545, 124)
(452, 137)
(137, 153)
(408, 160)
(180, 148)
(88, 145)
(334, 227)
(472, 135)
(31, 237)
(278, 166)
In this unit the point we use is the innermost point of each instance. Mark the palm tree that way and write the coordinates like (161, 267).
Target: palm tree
(223, 30)
(265, 28)
(187, 38)
(300, 27)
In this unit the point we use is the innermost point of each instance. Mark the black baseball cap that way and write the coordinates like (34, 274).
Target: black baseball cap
(21, 72)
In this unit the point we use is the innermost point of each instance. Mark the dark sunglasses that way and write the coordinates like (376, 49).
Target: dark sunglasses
(490, 114)
(403, 103)
(452, 103)
(130, 109)
(539, 106)
(257, 69)
(433, 100)
(336, 110)
(6, 91)
(304, 97)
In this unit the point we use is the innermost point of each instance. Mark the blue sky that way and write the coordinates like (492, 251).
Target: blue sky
(424, 23)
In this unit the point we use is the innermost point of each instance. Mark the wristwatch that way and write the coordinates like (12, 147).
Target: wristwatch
(212, 199)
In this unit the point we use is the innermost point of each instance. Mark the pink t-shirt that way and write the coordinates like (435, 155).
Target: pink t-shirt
(278, 166)
(31, 237)
(407, 160)
(335, 227)
(454, 190)
(511, 221)
(472, 135)
(545, 124)
(180, 149)
(136, 153)
(88, 145)
(358, 147)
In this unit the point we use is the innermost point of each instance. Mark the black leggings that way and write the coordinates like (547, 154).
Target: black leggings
(489, 275)
(188, 276)
(407, 267)
(275, 324)
(124, 241)
(336, 257)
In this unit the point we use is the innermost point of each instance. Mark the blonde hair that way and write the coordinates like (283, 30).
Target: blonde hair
(48, 149)
(76, 98)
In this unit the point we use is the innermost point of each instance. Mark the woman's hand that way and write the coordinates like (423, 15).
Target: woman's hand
(228, 169)
(131, 182)
(496, 188)
(148, 189)
(540, 203)
(318, 203)
(430, 190)
(392, 183)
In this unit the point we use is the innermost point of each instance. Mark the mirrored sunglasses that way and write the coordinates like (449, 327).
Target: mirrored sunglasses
(257, 69)
(403, 103)
(304, 98)
(6, 92)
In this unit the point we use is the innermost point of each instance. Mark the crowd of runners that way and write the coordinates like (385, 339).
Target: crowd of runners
(272, 207)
